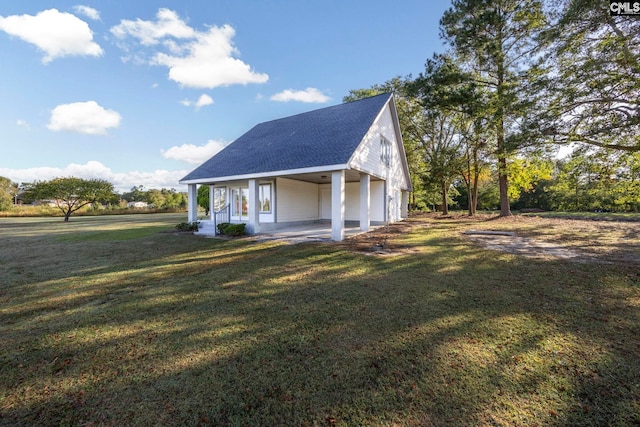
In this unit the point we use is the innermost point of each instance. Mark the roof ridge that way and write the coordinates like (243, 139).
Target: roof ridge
(368, 98)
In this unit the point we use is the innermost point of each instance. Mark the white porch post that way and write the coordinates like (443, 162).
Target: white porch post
(365, 202)
(337, 205)
(253, 207)
(211, 191)
(192, 203)
(404, 209)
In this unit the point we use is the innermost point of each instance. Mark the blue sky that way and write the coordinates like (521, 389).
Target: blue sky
(140, 93)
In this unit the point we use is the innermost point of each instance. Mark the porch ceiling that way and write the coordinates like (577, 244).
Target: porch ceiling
(325, 177)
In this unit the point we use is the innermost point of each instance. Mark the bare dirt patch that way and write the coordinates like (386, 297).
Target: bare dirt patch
(585, 240)
(524, 246)
(536, 237)
(382, 241)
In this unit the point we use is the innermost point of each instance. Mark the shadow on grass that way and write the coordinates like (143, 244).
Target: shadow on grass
(235, 333)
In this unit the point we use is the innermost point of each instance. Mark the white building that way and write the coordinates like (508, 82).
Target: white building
(340, 163)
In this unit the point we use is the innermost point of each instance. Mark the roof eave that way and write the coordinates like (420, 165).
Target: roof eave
(270, 174)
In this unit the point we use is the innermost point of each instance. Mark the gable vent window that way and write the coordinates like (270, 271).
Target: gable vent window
(385, 151)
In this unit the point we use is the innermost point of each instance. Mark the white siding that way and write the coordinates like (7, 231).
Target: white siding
(367, 155)
(325, 201)
(352, 212)
(367, 159)
(296, 200)
(353, 201)
(377, 201)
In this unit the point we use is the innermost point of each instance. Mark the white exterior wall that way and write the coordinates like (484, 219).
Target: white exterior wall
(296, 200)
(377, 201)
(353, 201)
(367, 159)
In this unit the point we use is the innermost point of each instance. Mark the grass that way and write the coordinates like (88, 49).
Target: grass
(107, 321)
(595, 216)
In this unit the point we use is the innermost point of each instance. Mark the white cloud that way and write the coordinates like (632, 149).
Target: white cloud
(310, 95)
(83, 117)
(197, 59)
(56, 33)
(202, 101)
(122, 181)
(87, 11)
(168, 24)
(194, 154)
(23, 124)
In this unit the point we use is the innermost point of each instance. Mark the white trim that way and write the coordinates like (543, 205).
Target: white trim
(400, 142)
(327, 168)
(253, 211)
(192, 203)
(365, 202)
(337, 205)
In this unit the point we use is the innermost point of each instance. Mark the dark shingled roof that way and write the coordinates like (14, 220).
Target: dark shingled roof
(328, 136)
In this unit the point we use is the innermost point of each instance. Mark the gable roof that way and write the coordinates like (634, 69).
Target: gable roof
(325, 137)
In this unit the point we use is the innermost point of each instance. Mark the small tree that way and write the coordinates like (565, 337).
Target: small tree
(203, 198)
(71, 194)
(8, 193)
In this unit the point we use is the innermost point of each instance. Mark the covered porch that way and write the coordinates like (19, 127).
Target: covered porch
(313, 205)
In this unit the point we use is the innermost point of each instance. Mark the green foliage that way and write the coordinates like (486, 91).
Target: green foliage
(597, 179)
(204, 195)
(187, 226)
(162, 199)
(229, 229)
(525, 173)
(8, 192)
(594, 87)
(137, 194)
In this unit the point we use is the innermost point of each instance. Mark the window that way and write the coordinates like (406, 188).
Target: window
(265, 198)
(239, 201)
(385, 151)
(219, 198)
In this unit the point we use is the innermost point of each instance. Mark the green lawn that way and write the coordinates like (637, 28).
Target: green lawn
(108, 321)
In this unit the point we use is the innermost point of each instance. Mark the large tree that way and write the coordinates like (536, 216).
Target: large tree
(70, 194)
(496, 40)
(446, 89)
(595, 84)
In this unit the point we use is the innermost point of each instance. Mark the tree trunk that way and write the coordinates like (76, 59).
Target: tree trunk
(476, 177)
(445, 207)
(467, 182)
(66, 216)
(503, 182)
(472, 197)
(505, 209)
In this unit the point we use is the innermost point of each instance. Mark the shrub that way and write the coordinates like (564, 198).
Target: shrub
(187, 226)
(229, 229)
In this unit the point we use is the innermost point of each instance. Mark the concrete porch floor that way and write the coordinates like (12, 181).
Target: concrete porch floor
(309, 232)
